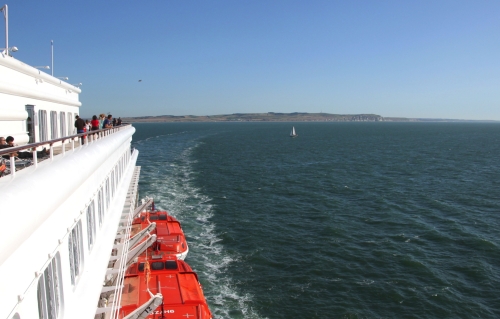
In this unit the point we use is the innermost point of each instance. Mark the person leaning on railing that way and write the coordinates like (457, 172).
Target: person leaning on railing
(108, 123)
(80, 125)
(10, 143)
(102, 116)
(3, 144)
(94, 123)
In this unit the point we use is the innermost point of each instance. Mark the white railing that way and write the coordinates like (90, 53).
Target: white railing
(86, 139)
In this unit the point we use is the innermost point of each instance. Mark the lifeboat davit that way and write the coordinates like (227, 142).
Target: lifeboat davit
(170, 239)
(162, 288)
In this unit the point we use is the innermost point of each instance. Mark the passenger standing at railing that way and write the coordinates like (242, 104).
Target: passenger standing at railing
(108, 123)
(79, 124)
(102, 117)
(94, 123)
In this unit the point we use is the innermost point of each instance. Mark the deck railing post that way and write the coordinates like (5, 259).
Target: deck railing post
(35, 158)
(51, 152)
(63, 147)
(12, 167)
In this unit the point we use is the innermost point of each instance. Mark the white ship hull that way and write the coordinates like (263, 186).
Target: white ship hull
(61, 217)
(43, 208)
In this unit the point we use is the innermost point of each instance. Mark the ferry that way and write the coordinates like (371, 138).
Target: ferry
(66, 243)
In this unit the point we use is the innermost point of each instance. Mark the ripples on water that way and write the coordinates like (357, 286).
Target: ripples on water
(349, 220)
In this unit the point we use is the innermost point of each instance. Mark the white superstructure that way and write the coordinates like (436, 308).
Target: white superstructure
(60, 218)
(26, 92)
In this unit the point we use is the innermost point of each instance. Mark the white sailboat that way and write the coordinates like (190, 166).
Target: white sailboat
(292, 133)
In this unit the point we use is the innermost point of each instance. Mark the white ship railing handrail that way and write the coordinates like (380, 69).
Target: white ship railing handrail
(87, 137)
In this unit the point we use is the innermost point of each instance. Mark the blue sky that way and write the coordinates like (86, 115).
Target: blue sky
(432, 59)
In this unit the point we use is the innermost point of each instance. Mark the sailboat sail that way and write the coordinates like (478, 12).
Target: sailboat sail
(292, 133)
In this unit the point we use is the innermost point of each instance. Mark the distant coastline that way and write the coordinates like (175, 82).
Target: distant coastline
(284, 117)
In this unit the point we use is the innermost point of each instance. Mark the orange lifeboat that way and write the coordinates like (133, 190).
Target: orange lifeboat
(166, 288)
(170, 239)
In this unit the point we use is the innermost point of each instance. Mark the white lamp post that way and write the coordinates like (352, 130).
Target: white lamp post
(6, 50)
(5, 10)
(52, 55)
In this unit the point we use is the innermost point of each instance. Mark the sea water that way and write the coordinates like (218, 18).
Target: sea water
(348, 220)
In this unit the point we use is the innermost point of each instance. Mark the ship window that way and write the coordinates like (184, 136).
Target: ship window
(170, 264)
(99, 213)
(62, 119)
(49, 291)
(157, 265)
(121, 165)
(113, 183)
(163, 217)
(141, 267)
(117, 174)
(91, 224)
(153, 217)
(75, 251)
(42, 125)
(70, 123)
(100, 206)
(108, 198)
(53, 124)
(30, 123)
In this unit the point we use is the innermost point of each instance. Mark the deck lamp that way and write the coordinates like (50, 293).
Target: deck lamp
(11, 49)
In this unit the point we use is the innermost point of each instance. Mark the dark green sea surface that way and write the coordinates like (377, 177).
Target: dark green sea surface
(349, 220)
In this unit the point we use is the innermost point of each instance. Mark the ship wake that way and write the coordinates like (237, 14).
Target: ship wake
(171, 181)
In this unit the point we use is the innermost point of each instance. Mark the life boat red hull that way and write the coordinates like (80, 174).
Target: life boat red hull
(170, 236)
(174, 279)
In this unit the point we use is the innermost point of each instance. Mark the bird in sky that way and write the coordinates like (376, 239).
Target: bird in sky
(140, 80)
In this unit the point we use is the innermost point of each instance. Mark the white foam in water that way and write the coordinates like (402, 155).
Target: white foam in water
(171, 184)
